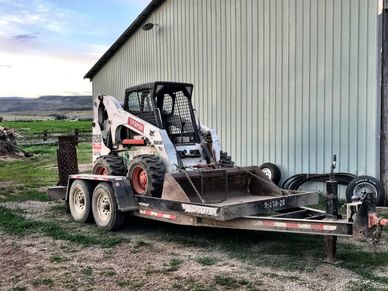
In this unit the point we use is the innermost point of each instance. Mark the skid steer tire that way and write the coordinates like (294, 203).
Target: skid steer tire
(109, 165)
(79, 201)
(104, 207)
(225, 160)
(271, 171)
(146, 173)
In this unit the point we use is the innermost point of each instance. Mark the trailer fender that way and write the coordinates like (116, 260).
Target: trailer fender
(121, 186)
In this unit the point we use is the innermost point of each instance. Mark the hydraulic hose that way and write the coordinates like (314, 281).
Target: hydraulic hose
(294, 182)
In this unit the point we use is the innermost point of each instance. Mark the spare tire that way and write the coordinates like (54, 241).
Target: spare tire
(362, 185)
(271, 171)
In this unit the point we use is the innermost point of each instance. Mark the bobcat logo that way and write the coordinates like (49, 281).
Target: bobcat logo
(152, 133)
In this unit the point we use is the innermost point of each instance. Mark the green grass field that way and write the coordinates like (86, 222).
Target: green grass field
(50, 125)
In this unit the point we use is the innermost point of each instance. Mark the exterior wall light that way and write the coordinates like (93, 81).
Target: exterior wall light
(148, 26)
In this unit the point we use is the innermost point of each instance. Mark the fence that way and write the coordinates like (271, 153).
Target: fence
(47, 137)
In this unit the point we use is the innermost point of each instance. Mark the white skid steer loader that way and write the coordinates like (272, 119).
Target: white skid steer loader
(156, 139)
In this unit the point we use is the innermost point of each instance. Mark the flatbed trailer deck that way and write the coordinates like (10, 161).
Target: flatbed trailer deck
(259, 213)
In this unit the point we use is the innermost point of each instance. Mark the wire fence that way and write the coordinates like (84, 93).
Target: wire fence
(47, 137)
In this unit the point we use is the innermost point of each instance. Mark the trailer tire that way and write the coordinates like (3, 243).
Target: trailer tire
(225, 160)
(79, 201)
(271, 171)
(146, 173)
(104, 207)
(361, 184)
(109, 165)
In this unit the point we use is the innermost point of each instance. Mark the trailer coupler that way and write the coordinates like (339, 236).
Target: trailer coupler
(366, 223)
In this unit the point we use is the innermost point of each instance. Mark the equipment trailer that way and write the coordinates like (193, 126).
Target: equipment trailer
(113, 196)
(154, 159)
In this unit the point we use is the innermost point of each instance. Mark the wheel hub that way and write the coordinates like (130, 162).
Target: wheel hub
(101, 171)
(139, 180)
(267, 172)
(79, 201)
(362, 189)
(103, 207)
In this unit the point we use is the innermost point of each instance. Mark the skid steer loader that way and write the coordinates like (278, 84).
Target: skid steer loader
(156, 139)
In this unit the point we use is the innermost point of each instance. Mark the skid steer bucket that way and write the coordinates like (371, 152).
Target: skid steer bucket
(217, 186)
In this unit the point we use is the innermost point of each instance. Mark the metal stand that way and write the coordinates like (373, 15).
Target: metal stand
(331, 212)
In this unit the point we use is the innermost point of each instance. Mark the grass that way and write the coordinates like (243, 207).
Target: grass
(141, 244)
(226, 281)
(50, 125)
(130, 284)
(88, 271)
(28, 176)
(15, 224)
(56, 259)
(363, 263)
(43, 282)
(206, 261)
(174, 265)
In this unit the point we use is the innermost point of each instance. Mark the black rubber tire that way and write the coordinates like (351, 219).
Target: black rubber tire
(271, 171)
(112, 165)
(110, 218)
(155, 170)
(360, 184)
(79, 201)
(225, 160)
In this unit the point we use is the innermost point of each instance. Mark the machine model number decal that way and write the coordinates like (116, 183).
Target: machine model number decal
(199, 209)
(158, 142)
(135, 124)
(275, 203)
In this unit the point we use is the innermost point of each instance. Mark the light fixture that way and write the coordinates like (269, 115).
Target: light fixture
(148, 26)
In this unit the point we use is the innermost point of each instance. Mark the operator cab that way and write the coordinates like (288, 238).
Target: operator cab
(166, 105)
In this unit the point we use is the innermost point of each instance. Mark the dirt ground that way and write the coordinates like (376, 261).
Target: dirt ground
(145, 260)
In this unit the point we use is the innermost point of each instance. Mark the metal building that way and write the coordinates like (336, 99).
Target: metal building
(285, 81)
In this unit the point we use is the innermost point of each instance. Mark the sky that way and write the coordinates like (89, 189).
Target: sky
(47, 46)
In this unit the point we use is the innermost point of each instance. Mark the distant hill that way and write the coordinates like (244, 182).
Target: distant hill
(46, 103)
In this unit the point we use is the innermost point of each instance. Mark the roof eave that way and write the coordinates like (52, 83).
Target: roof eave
(123, 38)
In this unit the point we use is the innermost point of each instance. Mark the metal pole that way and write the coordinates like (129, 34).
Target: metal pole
(331, 211)
(76, 136)
(45, 135)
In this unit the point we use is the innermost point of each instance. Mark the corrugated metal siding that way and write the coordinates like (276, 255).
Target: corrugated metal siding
(285, 81)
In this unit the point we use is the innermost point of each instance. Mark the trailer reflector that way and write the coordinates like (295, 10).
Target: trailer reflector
(158, 214)
(294, 225)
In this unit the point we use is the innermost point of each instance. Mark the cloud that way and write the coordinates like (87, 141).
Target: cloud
(33, 76)
(26, 36)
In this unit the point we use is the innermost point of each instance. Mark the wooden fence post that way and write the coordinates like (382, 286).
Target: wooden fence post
(76, 135)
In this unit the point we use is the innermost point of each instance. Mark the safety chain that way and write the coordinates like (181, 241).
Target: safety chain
(377, 235)
(192, 184)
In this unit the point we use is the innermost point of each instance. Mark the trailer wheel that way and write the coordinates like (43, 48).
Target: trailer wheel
(104, 208)
(225, 160)
(146, 173)
(362, 185)
(109, 165)
(80, 201)
(271, 171)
